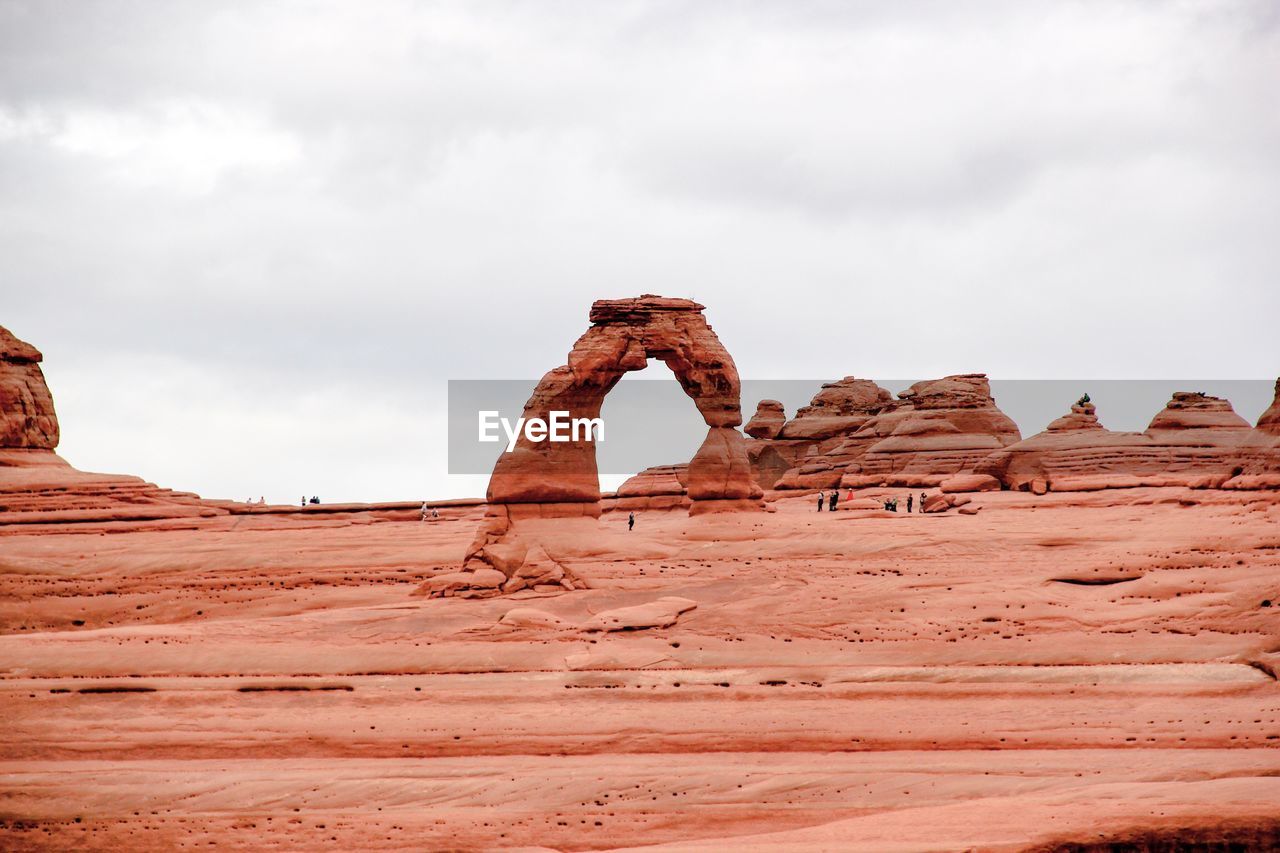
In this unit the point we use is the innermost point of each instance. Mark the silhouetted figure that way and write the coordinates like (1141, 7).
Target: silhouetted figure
(908, 503)
(302, 501)
(631, 520)
(315, 499)
(821, 498)
(831, 500)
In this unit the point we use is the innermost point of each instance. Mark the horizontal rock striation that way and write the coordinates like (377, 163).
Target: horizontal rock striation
(1197, 441)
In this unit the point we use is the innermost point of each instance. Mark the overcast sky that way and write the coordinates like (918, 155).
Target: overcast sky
(254, 239)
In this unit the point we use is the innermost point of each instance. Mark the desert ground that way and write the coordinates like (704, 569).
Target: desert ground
(1063, 671)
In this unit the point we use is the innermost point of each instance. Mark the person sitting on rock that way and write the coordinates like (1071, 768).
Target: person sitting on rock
(831, 500)
(821, 497)
(425, 511)
(631, 520)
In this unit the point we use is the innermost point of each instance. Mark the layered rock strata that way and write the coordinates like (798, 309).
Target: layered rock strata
(1197, 441)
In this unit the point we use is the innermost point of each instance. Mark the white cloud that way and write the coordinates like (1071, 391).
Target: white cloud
(184, 146)
(325, 195)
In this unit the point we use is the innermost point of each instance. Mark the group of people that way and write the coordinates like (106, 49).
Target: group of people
(830, 499)
(429, 512)
(312, 500)
(892, 503)
(261, 501)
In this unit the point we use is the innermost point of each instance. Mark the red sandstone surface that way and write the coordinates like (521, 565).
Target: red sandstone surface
(1067, 667)
(1013, 671)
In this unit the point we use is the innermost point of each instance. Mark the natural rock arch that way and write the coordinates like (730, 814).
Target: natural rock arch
(624, 335)
(560, 479)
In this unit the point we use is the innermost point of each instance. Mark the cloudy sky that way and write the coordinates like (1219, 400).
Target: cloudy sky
(255, 239)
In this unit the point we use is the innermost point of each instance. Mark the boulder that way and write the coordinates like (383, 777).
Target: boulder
(943, 501)
(970, 483)
(768, 420)
(480, 583)
(655, 614)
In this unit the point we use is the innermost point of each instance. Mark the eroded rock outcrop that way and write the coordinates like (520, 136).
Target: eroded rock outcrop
(808, 441)
(1197, 440)
(933, 430)
(27, 419)
(560, 479)
(38, 487)
(768, 421)
(946, 427)
(838, 408)
(1269, 422)
(855, 433)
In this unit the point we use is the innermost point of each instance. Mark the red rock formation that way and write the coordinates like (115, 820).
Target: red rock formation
(660, 487)
(560, 479)
(1197, 440)
(27, 419)
(1257, 466)
(625, 333)
(768, 420)
(1270, 420)
(936, 428)
(1083, 416)
(947, 427)
(854, 433)
(838, 410)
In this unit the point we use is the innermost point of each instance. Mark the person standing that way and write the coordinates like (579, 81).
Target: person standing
(631, 521)
(821, 497)
(908, 504)
(831, 500)
(922, 501)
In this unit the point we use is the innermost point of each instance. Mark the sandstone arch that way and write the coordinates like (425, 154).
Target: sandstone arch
(560, 479)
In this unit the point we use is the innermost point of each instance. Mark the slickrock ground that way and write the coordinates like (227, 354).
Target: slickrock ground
(1068, 668)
